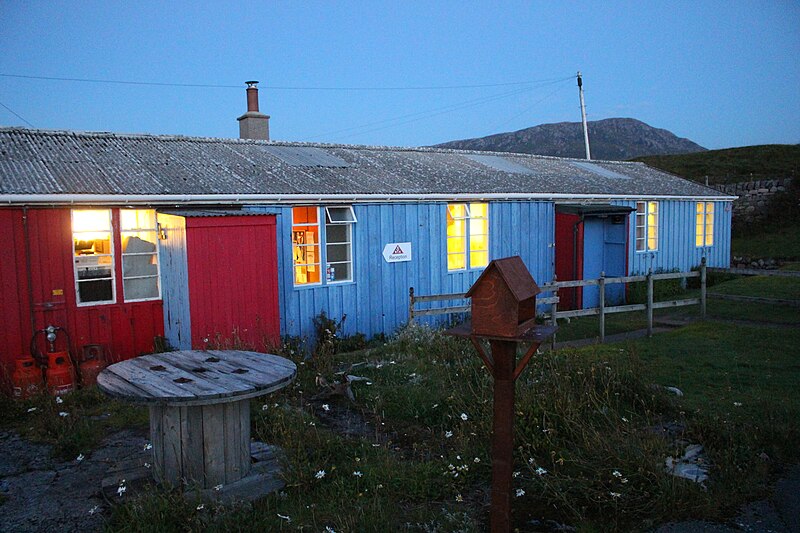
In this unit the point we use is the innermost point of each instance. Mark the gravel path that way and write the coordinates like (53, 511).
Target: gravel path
(42, 494)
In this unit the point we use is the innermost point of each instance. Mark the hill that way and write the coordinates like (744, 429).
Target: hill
(731, 165)
(612, 138)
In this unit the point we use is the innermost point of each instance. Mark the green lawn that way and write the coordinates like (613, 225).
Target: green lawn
(777, 243)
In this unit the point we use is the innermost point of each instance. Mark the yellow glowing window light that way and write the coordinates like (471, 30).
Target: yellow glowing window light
(94, 260)
(652, 225)
(305, 245)
(91, 224)
(704, 224)
(478, 235)
(457, 216)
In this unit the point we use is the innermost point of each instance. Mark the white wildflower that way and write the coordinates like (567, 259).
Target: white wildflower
(541, 471)
(616, 473)
(623, 480)
(94, 509)
(737, 404)
(515, 474)
(530, 460)
(624, 419)
(264, 407)
(80, 457)
(147, 446)
(218, 487)
(320, 474)
(201, 507)
(520, 492)
(448, 434)
(32, 409)
(326, 407)
(358, 473)
(59, 400)
(63, 414)
(121, 489)
(435, 406)
(459, 498)
(464, 417)
(615, 494)
(476, 460)
(282, 517)
(329, 529)
(147, 465)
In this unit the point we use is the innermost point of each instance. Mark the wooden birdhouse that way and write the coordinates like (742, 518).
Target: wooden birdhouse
(504, 299)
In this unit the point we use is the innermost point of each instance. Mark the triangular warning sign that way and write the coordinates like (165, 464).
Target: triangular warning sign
(397, 250)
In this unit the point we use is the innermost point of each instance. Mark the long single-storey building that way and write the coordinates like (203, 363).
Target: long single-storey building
(121, 239)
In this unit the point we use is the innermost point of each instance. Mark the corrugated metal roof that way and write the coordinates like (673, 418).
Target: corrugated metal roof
(600, 171)
(502, 164)
(81, 163)
(187, 213)
(305, 156)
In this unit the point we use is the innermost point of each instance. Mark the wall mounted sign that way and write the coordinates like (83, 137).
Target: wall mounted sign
(397, 252)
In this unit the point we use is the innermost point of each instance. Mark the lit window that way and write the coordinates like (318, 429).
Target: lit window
(139, 254)
(467, 236)
(646, 226)
(305, 245)
(94, 256)
(339, 244)
(704, 225)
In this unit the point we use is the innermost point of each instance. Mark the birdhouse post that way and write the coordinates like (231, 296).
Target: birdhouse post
(504, 313)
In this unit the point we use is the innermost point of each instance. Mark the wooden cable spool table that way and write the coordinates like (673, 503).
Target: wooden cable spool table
(199, 408)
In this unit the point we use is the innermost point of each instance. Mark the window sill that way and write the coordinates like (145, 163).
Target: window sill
(322, 285)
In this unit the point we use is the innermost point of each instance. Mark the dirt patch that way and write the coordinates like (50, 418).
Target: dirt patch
(43, 494)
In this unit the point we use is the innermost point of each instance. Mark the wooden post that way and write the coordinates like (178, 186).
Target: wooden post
(650, 303)
(411, 305)
(703, 288)
(504, 355)
(602, 287)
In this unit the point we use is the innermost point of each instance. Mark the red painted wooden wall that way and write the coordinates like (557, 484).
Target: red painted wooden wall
(233, 281)
(569, 258)
(41, 290)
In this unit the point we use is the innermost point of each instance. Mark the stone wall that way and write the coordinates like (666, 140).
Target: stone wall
(754, 197)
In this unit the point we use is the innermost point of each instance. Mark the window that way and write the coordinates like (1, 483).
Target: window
(467, 236)
(704, 226)
(646, 226)
(338, 244)
(307, 245)
(94, 256)
(139, 254)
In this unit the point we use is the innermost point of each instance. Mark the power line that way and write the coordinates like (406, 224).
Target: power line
(537, 102)
(285, 87)
(17, 115)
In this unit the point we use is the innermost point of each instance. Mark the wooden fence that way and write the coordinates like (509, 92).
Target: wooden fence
(601, 310)
(755, 272)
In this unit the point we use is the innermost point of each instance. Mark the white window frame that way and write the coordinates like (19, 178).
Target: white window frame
(154, 230)
(467, 217)
(348, 223)
(704, 229)
(111, 254)
(643, 243)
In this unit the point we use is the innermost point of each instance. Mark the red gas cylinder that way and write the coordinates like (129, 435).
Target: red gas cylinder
(59, 375)
(92, 362)
(27, 378)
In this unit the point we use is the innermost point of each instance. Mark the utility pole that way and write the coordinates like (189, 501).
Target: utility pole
(583, 118)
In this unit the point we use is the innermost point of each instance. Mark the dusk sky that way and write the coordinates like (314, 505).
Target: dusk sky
(403, 73)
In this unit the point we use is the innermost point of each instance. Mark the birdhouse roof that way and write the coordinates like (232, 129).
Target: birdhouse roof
(515, 274)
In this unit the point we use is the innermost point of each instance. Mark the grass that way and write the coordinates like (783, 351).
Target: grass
(779, 242)
(732, 165)
(589, 448)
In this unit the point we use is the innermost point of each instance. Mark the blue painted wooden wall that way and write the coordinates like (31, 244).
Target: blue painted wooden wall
(175, 282)
(676, 246)
(377, 300)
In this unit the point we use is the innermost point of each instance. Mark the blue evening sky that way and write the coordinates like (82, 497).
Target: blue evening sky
(720, 73)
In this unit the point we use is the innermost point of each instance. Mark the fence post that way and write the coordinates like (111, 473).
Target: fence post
(650, 302)
(703, 288)
(553, 319)
(602, 287)
(411, 305)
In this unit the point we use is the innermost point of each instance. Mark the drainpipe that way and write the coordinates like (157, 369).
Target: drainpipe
(26, 235)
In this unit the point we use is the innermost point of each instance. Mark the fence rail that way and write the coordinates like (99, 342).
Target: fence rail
(756, 272)
(601, 310)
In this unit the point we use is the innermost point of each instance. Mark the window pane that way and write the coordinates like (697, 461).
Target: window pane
(456, 245)
(305, 245)
(304, 215)
(141, 288)
(94, 260)
(338, 233)
(338, 253)
(478, 259)
(457, 211)
(95, 291)
(456, 261)
(132, 219)
(478, 243)
(340, 215)
(338, 272)
(479, 210)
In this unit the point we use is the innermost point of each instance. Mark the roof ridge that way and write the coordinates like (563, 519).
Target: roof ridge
(299, 144)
